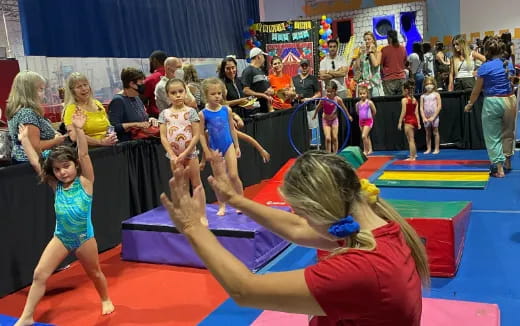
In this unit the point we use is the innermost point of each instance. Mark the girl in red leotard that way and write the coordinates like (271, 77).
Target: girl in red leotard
(410, 116)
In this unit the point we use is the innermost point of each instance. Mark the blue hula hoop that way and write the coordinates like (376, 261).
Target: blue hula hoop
(301, 105)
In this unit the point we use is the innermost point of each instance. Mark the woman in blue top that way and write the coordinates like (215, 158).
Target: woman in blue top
(498, 112)
(71, 175)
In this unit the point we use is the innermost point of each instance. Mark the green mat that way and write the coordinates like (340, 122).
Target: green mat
(353, 155)
(432, 184)
(428, 209)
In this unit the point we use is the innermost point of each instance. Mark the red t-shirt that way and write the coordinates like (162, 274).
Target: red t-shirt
(149, 90)
(368, 288)
(393, 60)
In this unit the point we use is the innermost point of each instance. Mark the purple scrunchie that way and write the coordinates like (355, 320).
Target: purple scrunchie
(344, 227)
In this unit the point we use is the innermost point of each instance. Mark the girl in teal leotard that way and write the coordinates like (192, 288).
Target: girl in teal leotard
(71, 176)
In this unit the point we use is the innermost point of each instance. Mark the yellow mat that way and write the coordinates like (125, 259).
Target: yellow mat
(436, 176)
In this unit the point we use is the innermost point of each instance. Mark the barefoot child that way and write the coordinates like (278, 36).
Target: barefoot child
(71, 176)
(430, 109)
(410, 116)
(180, 131)
(222, 136)
(330, 122)
(366, 111)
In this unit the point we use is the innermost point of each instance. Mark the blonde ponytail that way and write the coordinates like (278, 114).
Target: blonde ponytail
(385, 210)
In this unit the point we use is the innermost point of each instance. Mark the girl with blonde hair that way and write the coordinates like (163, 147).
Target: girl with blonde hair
(368, 66)
(462, 65)
(78, 96)
(24, 107)
(377, 265)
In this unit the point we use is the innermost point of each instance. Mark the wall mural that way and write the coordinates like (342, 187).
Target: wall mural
(381, 25)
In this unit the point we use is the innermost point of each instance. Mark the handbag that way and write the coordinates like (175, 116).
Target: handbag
(143, 133)
(5, 144)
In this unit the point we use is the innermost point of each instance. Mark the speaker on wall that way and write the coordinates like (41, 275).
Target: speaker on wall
(342, 30)
(381, 25)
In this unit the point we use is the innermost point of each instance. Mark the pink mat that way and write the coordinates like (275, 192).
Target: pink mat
(435, 312)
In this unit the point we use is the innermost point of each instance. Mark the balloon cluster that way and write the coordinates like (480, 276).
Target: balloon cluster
(250, 35)
(325, 34)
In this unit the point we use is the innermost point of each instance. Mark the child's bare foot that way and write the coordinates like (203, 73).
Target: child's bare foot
(428, 151)
(370, 152)
(507, 163)
(365, 153)
(221, 210)
(238, 211)
(436, 151)
(107, 307)
(24, 322)
(411, 159)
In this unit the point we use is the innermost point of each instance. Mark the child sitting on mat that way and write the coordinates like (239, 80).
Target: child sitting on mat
(366, 111)
(430, 109)
(410, 116)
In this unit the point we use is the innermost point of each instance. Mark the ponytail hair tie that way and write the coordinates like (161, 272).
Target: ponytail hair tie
(370, 191)
(344, 227)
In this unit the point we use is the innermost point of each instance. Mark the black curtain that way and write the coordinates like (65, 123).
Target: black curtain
(135, 28)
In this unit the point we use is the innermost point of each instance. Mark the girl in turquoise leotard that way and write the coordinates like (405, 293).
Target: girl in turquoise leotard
(71, 176)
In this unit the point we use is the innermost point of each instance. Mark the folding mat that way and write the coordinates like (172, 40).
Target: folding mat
(442, 226)
(151, 237)
(436, 312)
(440, 165)
(434, 179)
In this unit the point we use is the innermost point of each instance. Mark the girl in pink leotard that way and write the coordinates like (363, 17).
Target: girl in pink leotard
(366, 111)
(329, 119)
(430, 109)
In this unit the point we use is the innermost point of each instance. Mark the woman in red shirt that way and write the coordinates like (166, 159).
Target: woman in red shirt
(377, 265)
(284, 92)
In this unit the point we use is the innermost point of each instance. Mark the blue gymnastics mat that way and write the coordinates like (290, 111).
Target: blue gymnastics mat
(10, 321)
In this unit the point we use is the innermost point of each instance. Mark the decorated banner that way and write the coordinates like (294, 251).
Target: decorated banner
(291, 55)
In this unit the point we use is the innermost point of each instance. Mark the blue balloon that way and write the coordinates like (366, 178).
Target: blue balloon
(324, 36)
(246, 35)
(250, 21)
(328, 20)
(258, 43)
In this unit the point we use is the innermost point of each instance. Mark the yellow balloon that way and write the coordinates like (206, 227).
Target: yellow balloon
(323, 17)
(322, 31)
(322, 41)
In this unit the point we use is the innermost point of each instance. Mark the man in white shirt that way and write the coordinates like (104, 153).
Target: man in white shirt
(334, 67)
(171, 65)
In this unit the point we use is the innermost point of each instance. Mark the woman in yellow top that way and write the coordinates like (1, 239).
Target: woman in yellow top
(78, 94)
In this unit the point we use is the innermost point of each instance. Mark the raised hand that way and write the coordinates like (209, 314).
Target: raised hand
(23, 132)
(185, 211)
(78, 119)
(219, 181)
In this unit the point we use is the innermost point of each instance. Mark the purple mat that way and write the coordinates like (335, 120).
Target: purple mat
(151, 237)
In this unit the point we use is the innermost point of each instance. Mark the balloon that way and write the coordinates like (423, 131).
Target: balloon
(250, 21)
(323, 17)
(322, 31)
(321, 41)
(324, 45)
(329, 20)
(258, 43)
(247, 47)
(322, 22)
(324, 37)
(250, 42)
(326, 26)
(252, 32)
(246, 35)
(328, 32)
